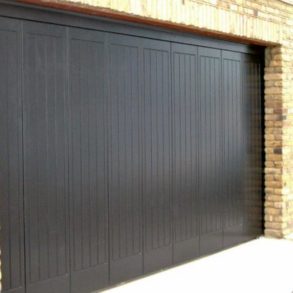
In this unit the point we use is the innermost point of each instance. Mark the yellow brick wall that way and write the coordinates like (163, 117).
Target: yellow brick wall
(269, 21)
(261, 19)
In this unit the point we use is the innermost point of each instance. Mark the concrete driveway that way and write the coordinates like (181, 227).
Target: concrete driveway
(260, 266)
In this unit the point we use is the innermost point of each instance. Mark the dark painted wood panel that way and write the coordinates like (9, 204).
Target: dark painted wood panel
(88, 161)
(45, 159)
(125, 157)
(233, 147)
(137, 153)
(210, 191)
(157, 169)
(185, 154)
(253, 177)
(11, 175)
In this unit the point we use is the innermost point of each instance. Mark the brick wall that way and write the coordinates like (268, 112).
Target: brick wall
(268, 22)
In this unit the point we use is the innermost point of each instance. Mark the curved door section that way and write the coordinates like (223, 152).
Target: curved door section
(122, 155)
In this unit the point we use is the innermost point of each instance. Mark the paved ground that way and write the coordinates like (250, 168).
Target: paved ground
(260, 266)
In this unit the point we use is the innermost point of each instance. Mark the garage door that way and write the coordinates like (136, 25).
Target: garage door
(120, 154)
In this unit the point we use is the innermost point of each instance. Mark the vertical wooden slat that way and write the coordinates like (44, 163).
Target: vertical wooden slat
(233, 163)
(125, 158)
(45, 158)
(185, 154)
(157, 155)
(11, 176)
(88, 161)
(251, 88)
(209, 73)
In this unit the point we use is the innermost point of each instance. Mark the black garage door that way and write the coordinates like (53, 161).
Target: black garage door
(121, 155)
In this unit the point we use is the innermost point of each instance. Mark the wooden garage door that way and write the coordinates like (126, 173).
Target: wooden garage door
(122, 155)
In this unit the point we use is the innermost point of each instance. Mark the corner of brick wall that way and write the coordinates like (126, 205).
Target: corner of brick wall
(288, 133)
(278, 141)
(273, 142)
